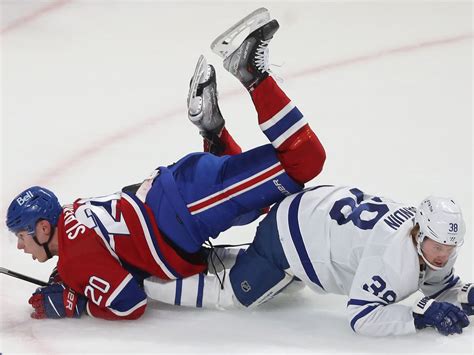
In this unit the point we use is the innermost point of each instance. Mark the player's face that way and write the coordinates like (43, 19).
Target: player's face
(437, 254)
(29, 246)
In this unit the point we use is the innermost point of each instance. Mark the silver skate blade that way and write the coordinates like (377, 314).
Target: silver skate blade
(199, 71)
(223, 44)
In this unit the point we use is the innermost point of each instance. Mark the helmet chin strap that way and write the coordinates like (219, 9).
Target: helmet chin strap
(45, 245)
(420, 252)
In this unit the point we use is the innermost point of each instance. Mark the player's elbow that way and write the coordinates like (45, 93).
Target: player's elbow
(130, 313)
(363, 319)
(138, 313)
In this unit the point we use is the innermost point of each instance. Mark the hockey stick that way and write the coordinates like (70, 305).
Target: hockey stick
(22, 277)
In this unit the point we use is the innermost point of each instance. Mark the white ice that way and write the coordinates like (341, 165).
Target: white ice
(94, 98)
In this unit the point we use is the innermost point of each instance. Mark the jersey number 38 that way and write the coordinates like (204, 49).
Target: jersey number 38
(364, 214)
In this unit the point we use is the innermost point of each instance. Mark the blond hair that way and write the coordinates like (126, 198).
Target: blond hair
(414, 234)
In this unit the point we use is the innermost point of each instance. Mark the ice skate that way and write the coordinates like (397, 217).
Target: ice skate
(249, 61)
(203, 108)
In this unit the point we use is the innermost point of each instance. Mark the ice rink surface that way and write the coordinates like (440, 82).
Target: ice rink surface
(94, 98)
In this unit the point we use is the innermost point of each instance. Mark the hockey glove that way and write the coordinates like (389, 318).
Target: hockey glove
(466, 298)
(57, 301)
(445, 317)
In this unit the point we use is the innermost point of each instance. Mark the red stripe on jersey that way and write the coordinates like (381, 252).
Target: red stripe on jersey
(269, 99)
(233, 190)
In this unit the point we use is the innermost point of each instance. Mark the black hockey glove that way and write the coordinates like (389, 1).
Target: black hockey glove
(445, 317)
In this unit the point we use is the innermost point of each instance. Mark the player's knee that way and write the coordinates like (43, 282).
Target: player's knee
(303, 156)
(137, 313)
(255, 279)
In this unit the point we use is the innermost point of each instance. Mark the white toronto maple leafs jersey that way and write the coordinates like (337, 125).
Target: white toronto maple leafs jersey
(341, 240)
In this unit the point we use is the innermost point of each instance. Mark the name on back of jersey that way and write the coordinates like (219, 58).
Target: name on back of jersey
(400, 216)
(72, 226)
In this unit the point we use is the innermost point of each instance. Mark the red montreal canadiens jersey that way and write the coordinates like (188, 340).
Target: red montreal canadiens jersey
(100, 240)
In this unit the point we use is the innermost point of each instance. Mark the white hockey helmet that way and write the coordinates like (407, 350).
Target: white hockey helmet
(440, 219)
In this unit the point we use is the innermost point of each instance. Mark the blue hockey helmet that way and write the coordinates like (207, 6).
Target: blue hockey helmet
(30, 206)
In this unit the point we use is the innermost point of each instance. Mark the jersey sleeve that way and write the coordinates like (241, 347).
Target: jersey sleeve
(373, 307)
(112, 292)
(443, 285)
(125, 301)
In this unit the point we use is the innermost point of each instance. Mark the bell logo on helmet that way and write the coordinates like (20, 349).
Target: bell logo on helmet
(31, 205)
(25, 198)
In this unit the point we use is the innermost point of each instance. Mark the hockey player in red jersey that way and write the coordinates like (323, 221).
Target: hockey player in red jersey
(108, 245)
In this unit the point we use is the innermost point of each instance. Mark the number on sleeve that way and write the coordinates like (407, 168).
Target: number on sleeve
(96, 285)
(377, 287)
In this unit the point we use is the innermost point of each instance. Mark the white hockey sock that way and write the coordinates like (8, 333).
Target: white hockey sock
(194, 291)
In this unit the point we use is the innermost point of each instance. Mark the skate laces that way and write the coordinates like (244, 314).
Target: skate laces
(261, 56)
(211, 258)
(213, 252)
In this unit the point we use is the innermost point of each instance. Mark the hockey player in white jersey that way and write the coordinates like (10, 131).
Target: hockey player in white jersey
(340, 240)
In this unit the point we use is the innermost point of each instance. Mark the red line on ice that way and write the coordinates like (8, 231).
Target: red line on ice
(140, 126)
(382, 54)
(21, 21)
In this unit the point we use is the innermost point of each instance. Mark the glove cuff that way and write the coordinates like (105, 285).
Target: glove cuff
(422, 305)
(463, 294)
(70, 299)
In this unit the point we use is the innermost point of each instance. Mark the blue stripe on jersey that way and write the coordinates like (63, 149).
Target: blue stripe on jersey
(297, 238)
(356, 302)
(100, 225)
(453, 281)
(200, 290)
(284, 124)
(317, 187)
(106, 204)
(449, 276)
(179, 289)
(153, 235)
(129, 297)
(361, 314)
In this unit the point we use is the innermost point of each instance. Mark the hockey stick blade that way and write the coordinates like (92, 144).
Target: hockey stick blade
(22, 277)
